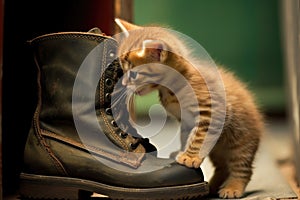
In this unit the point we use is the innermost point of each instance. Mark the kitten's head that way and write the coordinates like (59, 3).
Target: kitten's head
(142, 52)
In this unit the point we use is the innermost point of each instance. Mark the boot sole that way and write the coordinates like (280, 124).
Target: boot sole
(54, 187)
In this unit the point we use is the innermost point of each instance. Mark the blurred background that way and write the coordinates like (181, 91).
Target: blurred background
(244, 36)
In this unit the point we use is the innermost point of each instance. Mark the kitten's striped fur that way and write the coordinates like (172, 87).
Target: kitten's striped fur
(235, 150)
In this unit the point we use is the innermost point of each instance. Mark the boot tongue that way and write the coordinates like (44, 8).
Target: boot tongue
(150, 148)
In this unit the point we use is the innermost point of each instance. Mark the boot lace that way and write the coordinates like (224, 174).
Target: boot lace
(115, 106)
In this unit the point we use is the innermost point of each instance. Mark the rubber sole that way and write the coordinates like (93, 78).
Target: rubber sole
(53, 187)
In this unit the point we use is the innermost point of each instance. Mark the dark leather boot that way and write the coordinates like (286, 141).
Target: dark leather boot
(75, 146)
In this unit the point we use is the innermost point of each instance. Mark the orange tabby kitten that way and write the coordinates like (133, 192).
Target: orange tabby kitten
(234, 152)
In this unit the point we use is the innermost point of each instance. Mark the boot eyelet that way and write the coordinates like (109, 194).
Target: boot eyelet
(108, 111)
(134, 146)
(119, 72)
(107, 97)
(110, 67)
(111, 54)
(108, 82)
(114, 123)
(124, 135)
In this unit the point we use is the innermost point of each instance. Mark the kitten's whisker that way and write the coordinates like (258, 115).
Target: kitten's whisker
(123, 94)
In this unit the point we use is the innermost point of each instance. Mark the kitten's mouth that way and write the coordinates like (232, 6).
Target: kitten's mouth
(141, 91)
(145, 90)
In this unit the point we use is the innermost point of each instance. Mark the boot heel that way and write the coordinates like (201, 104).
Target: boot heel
(30, 189)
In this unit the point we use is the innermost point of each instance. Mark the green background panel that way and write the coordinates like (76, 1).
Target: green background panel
(243, 35)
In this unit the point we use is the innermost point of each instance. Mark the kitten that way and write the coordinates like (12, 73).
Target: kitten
(234, 152)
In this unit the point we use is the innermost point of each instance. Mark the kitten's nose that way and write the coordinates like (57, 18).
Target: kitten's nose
(124, 81)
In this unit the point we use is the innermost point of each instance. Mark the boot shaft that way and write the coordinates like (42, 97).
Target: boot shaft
(59, 58)
(76, 75)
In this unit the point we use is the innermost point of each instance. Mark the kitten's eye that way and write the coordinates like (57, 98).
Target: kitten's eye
(132, 75)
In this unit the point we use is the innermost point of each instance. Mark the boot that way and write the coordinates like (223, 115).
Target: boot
(75, 146)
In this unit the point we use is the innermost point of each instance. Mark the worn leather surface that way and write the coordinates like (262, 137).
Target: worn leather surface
(72, 134)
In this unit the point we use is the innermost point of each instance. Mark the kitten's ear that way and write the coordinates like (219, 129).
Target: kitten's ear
(155, 49)
(125, 26)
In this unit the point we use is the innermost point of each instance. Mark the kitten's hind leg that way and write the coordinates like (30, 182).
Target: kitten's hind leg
(240, 172)
(233, 188)
(220, 175)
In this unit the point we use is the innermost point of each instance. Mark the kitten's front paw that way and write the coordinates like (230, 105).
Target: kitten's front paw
(192, 161)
